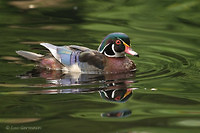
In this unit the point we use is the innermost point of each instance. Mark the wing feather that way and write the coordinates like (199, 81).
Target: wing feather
(93, 58)
(53, 49)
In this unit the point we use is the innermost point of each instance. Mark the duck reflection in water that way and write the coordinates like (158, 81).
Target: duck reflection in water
(117, 114)
(111, 87)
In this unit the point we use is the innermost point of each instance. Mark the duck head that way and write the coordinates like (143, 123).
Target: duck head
(116, 45)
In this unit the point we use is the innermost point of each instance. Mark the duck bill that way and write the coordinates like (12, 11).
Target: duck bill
(128, 50)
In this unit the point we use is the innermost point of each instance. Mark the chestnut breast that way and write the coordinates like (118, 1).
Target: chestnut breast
(118, 65)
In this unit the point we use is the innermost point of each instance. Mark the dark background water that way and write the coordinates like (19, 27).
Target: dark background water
(165, 88)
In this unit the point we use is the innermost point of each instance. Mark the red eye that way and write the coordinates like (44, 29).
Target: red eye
(117, 42)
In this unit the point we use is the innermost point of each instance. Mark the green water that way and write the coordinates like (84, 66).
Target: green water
(164, 91)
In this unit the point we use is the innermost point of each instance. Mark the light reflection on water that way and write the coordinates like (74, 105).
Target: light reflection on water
(111, 87)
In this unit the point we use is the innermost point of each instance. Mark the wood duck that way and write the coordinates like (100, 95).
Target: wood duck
(109, 58)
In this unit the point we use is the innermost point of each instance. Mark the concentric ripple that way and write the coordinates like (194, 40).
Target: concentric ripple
(163, 63)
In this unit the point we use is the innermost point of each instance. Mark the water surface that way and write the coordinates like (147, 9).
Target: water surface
(161, 96)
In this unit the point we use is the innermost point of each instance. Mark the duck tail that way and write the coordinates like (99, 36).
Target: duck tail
(29, 55)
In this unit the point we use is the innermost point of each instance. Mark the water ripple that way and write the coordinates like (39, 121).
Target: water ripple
(163, 63)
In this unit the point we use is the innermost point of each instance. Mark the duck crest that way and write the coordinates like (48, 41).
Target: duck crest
(106, 41)
(113, 45)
